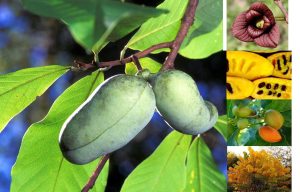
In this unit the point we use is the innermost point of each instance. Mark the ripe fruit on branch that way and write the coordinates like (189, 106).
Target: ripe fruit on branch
(113, 114)
(274, 118)
(245, 111)
(180, 103)
(269, 134)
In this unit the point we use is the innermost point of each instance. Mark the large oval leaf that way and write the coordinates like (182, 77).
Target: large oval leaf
(19, 89)
(40, 165)
(164, 170)
(202, 173)
(221, 126)
(94, 23)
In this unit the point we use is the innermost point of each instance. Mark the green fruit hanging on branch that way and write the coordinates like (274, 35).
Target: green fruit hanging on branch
(113, 114)
(244, 111)
(274, 118)
(243, 123)
(180, 103)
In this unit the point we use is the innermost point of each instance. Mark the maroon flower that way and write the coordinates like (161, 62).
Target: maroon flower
(257, 24)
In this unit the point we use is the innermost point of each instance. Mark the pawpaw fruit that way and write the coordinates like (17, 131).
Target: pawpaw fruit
(248, 65)
(269, 134)
(274, 118)
(282, 63)
(242, 123)
(238, 88)
(113, 114)
(245, 111)
(272, 88)
(180, 104)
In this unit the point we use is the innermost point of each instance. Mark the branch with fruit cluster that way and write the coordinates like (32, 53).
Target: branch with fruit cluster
(174, 47)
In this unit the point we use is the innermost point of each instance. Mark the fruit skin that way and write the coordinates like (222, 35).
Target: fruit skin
(238, 88)
(245, 111)
(282, 63)
(180, 103)
(242, 123)
(113, 114)
(248, 65)
(274, 118)
(269, 134)
(272, 88)
(235, 110)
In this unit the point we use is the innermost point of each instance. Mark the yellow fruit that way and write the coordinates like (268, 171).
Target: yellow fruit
(274, 119)
(248, 65)
(238, 88)
(282, 63)
(272, 88)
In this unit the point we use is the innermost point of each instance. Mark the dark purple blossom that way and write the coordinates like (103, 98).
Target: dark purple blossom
(257, 24)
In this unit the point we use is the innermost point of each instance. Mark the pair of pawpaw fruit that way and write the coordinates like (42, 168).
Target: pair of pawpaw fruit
(123, 105)
(249, 74)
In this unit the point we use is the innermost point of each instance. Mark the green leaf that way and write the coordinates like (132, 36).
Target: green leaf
(164, 170)
(40, 165)
(221, 126)
(280, 105)
(205, 35)
(160, 29)
(202, 173)
(20, 88)
(146, 63)
(94, 23)
(204, 45)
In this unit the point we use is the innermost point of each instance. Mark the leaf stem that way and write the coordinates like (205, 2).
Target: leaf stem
(91, 182)
(282, 8)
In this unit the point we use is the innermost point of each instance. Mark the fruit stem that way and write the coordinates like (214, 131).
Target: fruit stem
(91, 182)
(137, 62)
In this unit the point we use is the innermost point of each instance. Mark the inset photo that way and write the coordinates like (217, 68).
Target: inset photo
(257, 25)
(259, 75)
(259, 122)
(259, 169)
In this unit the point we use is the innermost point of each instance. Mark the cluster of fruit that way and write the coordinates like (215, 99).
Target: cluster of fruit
(252, 75)
(272, 122)
(123, 105)
(257, 165)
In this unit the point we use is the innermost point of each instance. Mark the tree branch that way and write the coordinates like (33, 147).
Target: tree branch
(174, 46)
(186, 23)
(91, 182)
(283, 10)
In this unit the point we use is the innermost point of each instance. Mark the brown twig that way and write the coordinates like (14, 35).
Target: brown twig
(90, 184)
(187, 21)
(137, 62)
(282, 8)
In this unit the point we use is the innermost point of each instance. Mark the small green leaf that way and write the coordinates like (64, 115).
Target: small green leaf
(146, 63)
(40, 165)
(280, 105)
(160, 29)
(164, 170)
(202, 173)
(94, 23)
(221, 126)
(19, 89)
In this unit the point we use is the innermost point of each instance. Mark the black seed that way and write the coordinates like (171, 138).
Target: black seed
(276, 86)
(287, 70)
(274, 93)
(283, 87)
(279, 95)
(229, 88)
(270, 93)
(284, 59)
(262, 84)
(269, 86)
(260, 92)
(278, 65)
(290, 58)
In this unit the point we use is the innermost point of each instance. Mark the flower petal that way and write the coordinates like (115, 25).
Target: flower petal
(239, 28)
(270, 39)
(254, 32)
(252, 15)
(264, 10)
